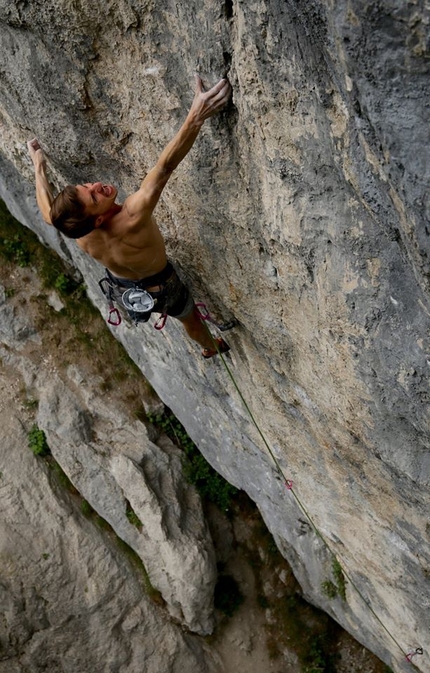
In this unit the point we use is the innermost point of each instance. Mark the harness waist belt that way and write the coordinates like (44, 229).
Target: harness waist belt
(150, 281)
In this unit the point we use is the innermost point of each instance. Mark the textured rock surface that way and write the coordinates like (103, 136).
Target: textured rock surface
(115, 467)
(70, 599)
(242, 543)
(304, 212)
(111, 462)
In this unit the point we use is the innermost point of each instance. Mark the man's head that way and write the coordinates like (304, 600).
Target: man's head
(77, 211)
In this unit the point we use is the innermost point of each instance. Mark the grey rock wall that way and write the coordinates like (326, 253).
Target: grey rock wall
(70, 599)
(115, 467)
(303, 211)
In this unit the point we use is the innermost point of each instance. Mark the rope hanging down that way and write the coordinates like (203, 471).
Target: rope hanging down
(289, 485)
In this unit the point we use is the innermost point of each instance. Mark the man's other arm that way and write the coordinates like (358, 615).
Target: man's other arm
(44, 195)
(205, 104)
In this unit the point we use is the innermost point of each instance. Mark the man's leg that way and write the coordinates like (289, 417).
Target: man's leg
(183, 309)
(197, 330)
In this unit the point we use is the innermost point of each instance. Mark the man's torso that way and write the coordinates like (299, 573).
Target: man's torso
(128, 254)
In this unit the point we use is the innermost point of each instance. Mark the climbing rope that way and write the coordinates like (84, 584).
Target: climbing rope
(289, 486)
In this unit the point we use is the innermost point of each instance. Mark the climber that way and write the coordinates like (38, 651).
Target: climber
(125, 238)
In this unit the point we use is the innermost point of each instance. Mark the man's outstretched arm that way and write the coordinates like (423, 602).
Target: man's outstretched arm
(205, 104)
(44, 196)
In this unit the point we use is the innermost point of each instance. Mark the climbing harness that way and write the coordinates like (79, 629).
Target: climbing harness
(289, 485)
(138, 298)
(137, 302)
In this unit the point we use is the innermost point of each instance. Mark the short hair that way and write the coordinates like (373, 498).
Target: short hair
(68, 214)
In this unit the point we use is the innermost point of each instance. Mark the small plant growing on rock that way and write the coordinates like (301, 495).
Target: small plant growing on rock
(132, 516)
(339, 578)
(329, 589)
(62, 477)
(37, 442)
(197, 470)
(338, 587)
(65, 284)
(30, 403)
(317, 658)
(86, 508)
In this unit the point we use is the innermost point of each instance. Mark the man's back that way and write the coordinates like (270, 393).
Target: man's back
(128, 251)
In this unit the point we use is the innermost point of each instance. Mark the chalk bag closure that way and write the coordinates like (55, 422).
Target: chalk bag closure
(138, 300)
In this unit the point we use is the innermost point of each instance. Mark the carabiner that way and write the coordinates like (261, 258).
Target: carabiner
(117, 319)
(161, 321)
(203, 312)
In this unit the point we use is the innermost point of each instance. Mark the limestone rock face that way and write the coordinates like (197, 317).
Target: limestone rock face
(116, 468)
(70, 600)
(303, 211)
(113, 465)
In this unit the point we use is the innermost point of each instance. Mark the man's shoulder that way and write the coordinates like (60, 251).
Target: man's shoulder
(130, 217)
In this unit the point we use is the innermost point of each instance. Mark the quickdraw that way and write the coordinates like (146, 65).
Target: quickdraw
(419, 650)
(114, 316)
(204, 315)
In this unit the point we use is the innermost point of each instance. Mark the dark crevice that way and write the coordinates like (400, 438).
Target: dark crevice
(228, 8)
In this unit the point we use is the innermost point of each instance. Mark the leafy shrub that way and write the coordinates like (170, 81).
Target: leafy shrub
(16, 250)
(208, 482)
(37, 442)
(62, 283)
(317, 659)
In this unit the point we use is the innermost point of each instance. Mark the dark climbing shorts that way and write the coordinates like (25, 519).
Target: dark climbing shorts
(171, 295)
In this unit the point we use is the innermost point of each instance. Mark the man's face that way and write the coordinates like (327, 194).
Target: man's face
(96, 197)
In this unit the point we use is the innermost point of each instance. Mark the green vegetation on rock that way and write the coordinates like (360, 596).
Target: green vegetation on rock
(209, 483)
(37, 442)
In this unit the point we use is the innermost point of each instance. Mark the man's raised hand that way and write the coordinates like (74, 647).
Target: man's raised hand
(36, 153)
(208, 103)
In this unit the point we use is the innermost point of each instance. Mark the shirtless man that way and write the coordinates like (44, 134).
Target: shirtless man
(125, 238)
